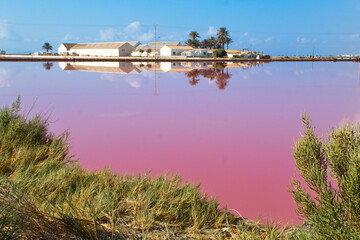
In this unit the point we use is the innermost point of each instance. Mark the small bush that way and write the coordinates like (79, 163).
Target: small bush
(331, 170)
(219, 53)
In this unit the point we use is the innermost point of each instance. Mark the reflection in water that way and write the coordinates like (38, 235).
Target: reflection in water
(193, 70)
(217, 72)
(48, 65)
(237, 145)
(137, 67)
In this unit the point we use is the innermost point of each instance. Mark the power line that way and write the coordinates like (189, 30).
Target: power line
(176, 27)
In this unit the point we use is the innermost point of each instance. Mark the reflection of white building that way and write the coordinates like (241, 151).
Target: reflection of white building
(109, 49)
(105, 67)
(168, 51)
(182, 66)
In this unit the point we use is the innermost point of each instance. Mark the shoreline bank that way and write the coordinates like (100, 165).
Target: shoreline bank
(31, 58)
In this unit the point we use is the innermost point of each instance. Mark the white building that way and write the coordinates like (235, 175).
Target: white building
(196, 53)
(168, 51)
(108, 49)
(142, 50)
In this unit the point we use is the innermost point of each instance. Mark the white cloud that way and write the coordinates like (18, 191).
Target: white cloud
(269, 39)
(107, 34)
(4, 29)
(4, 78)
(133, 27)
(70, 38)
(245, 34)
(300, 39)
(252, 40)
(352, 37)
(134, 82)
(135, 31)
(211, 31)
(108, 76)
(145, 37)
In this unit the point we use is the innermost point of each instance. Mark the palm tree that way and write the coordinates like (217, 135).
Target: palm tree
(193, 43)
(47, 46)
(222, 36)
(212, 42)
(228, 41)
(194, 35)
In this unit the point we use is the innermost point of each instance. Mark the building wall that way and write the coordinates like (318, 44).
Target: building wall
(124, 50)
(62, 49)
(95, 52)
(165, 51)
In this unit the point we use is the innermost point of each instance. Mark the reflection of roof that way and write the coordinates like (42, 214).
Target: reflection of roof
(181, 47)
(107, 45)
(121, 69)
(180, 70)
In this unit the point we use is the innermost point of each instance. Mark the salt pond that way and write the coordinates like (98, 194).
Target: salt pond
(228, 127)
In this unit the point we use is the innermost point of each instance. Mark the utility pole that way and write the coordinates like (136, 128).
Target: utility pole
(155, 51)
(155, 25)
(313, 52)
(359, 75)
(297, 49)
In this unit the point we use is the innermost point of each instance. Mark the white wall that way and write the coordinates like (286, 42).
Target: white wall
(62, 49)
(96, 52)
(165, 51)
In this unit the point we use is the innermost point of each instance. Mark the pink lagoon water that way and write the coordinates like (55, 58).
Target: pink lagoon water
(235, 141)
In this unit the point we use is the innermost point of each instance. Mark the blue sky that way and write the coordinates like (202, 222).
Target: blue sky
(277, 27)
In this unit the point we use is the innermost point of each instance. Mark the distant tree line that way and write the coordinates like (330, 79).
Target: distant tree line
(222, 38)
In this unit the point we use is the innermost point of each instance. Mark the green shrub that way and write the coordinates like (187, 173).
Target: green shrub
(219, 53)
(331, 170)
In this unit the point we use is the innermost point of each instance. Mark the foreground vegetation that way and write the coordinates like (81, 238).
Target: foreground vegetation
(331, 170)
(44, 194)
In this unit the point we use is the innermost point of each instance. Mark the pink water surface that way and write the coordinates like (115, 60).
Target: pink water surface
(237, 142)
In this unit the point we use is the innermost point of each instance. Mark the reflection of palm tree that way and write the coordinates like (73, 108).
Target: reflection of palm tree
(193, 76)
(208, 73)
(194, 81)
(218, 73)
(222, 79)
(48, 65)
